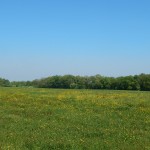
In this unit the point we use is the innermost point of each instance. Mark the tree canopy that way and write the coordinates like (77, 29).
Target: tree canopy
(137, 82)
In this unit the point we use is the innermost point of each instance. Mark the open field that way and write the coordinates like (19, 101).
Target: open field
(45, 119)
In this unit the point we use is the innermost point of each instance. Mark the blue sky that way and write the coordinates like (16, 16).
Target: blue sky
(80, 37)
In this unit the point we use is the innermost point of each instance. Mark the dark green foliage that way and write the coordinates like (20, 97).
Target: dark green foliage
(127, 83)
(137, 82)
(144, 81)
(4, 82)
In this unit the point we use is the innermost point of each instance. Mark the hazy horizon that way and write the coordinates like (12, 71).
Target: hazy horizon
(45, 38)
(73, 75)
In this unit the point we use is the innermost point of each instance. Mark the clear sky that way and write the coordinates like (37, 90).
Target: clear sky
(39, 38)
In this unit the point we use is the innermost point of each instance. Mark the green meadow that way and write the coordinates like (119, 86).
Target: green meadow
(47, 119)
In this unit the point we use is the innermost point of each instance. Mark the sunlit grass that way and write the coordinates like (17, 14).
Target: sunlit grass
(33, 118)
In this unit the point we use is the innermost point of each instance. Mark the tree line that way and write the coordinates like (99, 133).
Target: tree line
(136, 82)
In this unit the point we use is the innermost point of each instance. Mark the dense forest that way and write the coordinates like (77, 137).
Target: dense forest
(136, 82)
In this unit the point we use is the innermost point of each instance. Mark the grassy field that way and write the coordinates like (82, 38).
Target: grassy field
(50, 119)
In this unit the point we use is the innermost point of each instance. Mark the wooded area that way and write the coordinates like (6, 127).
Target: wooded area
(137, 82)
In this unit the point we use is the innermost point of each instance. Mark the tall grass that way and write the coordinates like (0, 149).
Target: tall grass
(48, 119)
